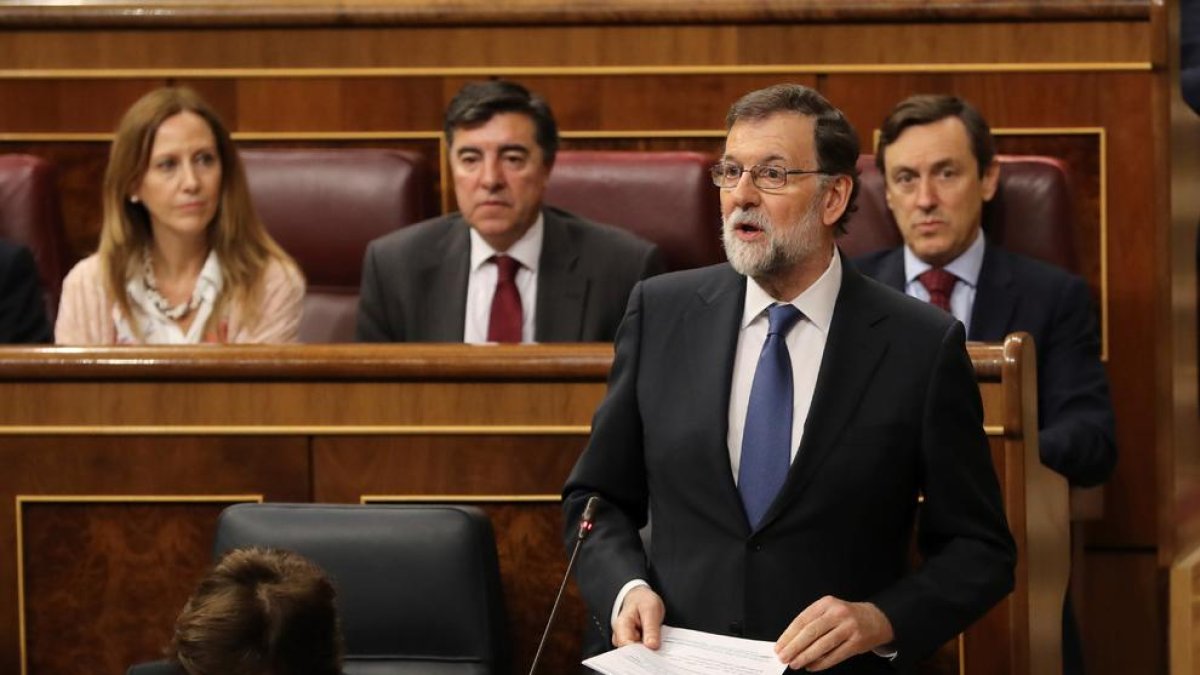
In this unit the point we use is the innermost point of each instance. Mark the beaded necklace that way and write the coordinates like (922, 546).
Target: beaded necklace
(172, 312)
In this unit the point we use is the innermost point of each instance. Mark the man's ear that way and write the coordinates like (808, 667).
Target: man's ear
(836, 199)
(990, 180)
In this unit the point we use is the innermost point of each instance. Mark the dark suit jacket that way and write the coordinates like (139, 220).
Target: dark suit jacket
(414, 285)
(896, 412)
(22, 307)
(1016, 293)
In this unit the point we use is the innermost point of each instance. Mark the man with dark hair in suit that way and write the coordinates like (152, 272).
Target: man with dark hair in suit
(505, 268)
(22, 307)
(937, 158)
(778, 417)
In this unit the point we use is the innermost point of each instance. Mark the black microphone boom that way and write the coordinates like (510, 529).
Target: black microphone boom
(585, 526)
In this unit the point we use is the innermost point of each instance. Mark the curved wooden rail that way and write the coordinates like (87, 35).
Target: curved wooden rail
(263, 13)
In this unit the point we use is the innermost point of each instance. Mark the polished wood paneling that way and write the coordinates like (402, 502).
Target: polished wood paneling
(624, 46)
(352, 468)
(292, 12)
(1124, 608)
(53, 467)
(104, 582)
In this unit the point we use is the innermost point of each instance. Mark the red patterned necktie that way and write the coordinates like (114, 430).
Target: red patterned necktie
(504, 322)
(940, 285)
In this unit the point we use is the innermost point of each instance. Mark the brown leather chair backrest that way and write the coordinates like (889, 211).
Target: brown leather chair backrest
(664, 197)
(324, 206)
(1031, 213)
(30, 214)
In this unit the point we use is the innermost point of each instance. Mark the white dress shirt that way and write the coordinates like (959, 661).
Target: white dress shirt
(966, 267)
(481, 282)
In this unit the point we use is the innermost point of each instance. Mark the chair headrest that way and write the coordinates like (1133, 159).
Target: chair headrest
(1030, 214)
(664, 197)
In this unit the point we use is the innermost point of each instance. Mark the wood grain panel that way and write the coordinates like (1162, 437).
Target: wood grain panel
(1137, 255)
(349, 468)
(104, 582)
(1125, 631)
(532, 46)
(127, 465)
(163, 405)
(532, 564)
(291, 12)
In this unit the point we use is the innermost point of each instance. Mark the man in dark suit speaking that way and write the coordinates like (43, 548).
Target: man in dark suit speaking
(504, 268)
(778, 418)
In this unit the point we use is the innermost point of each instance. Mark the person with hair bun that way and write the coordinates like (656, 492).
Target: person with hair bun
(260, 612)
(183, 257)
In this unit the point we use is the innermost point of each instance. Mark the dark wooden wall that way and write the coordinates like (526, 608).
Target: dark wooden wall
(1081, 79)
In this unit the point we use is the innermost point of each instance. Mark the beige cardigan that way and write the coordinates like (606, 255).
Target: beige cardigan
(85, 314)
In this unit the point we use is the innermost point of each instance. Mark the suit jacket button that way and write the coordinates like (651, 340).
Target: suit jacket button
(735, 628)
(756, 547)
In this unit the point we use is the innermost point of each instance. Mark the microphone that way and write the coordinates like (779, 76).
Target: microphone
(585, 527)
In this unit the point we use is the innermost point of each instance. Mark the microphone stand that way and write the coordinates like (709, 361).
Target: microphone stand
(585, 526)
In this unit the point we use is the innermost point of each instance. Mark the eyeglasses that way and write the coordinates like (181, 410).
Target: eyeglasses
(726, 175)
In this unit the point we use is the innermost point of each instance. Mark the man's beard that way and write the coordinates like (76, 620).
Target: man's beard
(779, 249)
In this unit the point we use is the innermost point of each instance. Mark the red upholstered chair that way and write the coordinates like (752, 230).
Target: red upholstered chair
(323, 206)
(1031, 213)
(30, 214)
(664, 197)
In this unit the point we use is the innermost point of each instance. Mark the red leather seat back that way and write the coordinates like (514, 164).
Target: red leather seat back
(1031, 213)
(323, 206)
(30, 214)
(664, 197)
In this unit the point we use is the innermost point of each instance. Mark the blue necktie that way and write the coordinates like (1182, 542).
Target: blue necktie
(767, 440)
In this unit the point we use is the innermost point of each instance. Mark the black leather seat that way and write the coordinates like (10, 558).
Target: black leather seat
(418, 585)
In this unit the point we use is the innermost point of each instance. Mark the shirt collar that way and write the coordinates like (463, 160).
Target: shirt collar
(816, 302)
(966, 266)
(527, 250)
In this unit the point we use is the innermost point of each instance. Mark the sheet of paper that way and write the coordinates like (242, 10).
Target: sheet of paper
(690, 652)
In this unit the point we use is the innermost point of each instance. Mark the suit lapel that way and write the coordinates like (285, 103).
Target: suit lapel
(850, 361)
(444, 286)
(994, 299)
(709, 332)
(562, 290)
(891, 269)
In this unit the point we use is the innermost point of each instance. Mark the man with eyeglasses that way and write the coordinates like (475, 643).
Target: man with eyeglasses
(506, 267)
(937, 157)
(777, 418)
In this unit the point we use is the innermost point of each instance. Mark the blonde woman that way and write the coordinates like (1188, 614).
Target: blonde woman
(183, 258)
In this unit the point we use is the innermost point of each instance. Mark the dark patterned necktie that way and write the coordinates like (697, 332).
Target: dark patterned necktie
(767, 440)
(940, 285)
